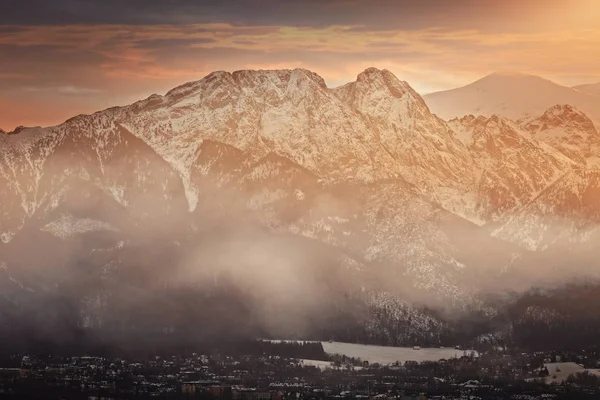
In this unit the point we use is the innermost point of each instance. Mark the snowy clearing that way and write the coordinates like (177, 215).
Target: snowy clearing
(388, 354)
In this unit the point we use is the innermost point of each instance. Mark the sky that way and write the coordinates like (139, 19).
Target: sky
(61, 58)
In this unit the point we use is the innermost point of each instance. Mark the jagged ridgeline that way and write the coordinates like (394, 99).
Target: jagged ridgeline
(263, 203)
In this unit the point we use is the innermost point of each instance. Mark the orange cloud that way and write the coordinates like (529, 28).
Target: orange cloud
(120, 43)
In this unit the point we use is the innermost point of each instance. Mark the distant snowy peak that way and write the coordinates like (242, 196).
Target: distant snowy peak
(512, 95)
(591, 88)
(510, 74)
(497, 77)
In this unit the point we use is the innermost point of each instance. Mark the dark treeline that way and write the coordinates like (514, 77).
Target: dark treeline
(147, 346)
(564, 318)
(291, 349)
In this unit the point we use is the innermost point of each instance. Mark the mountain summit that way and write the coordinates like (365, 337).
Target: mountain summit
(591, 88)
(512, 95)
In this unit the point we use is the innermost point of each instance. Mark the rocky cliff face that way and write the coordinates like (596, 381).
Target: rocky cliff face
(513, 166)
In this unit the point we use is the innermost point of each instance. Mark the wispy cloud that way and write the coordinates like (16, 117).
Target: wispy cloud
(141, 46)
(64, 90)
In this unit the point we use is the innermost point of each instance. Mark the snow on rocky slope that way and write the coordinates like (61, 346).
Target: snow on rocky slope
(424, 149)
(566, 212)
(22, 159)
(513, 167)
(67, 226)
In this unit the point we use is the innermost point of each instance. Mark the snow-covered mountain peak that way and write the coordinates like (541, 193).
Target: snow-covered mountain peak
(561, 109)
(374, 79)
(190, 89)
(17, 130)
(381, 95)
(496, 80)
(591, 88)
(567, 129)
(516, 96)
(373, 74)
(508, 73)
(249, 79)
(153, 101)
(564, 116)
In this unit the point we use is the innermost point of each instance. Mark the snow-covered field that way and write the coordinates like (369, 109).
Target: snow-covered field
(387, 354)
(559, 372)
(322, 365)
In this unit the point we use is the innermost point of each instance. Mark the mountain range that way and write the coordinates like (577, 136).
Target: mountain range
(268, 201)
